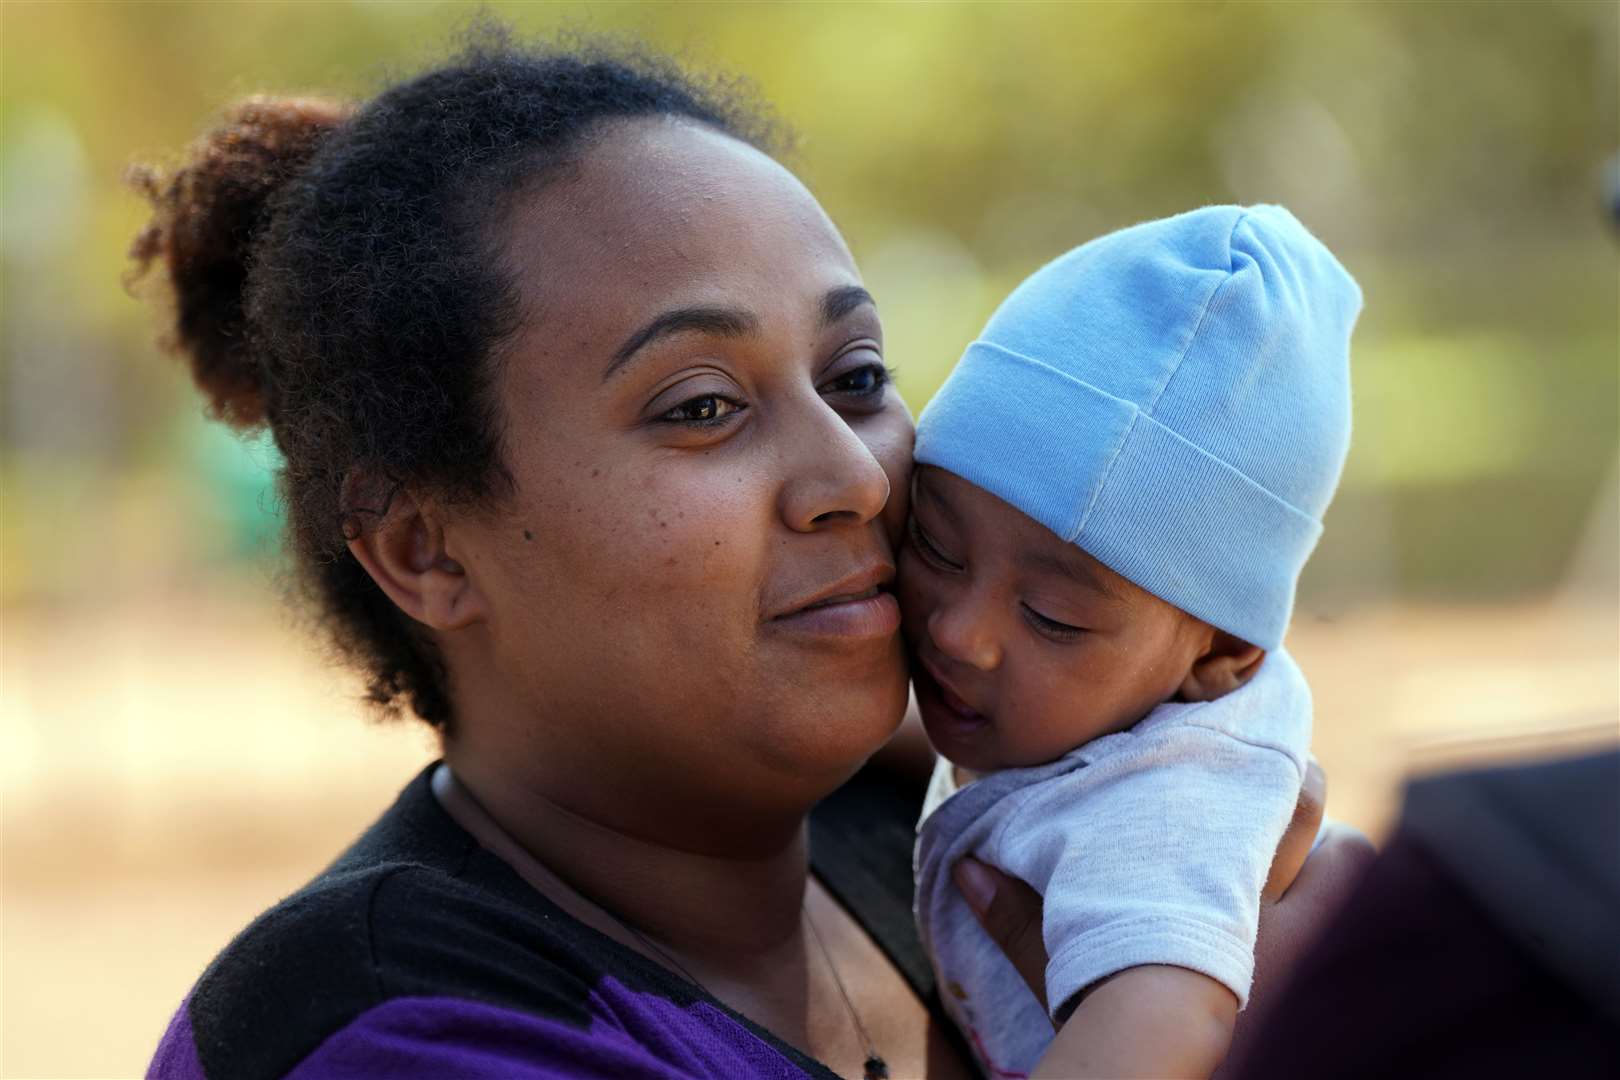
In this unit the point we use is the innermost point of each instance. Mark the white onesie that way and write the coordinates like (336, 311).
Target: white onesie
(1150, 846)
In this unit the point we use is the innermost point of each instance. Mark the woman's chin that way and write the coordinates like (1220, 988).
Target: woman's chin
(832, 732)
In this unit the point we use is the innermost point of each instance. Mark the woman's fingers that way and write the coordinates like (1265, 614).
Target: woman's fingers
(1010, 912)
(1296, 842)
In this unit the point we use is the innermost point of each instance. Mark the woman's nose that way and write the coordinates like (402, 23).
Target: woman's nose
(832, 476)
(962, 631)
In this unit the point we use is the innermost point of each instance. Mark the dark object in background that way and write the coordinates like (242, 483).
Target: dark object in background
(1483, 942)
(1611, 190)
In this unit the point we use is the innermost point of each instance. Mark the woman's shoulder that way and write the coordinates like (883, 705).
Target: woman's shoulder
(413, 912)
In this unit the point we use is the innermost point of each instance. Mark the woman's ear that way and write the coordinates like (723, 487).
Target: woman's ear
(405, 554)
(1227, 664)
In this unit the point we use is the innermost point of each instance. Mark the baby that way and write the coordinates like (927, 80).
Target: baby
(1116, 490)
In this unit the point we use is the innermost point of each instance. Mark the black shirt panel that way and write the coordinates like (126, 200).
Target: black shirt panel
(415, 907)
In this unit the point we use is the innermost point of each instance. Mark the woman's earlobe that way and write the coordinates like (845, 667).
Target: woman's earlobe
(1227, 664)
(452, 598)
(405, 555)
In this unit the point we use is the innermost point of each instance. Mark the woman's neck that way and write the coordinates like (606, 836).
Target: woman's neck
(720, 909)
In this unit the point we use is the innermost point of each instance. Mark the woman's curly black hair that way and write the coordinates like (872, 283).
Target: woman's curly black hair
(336, 279)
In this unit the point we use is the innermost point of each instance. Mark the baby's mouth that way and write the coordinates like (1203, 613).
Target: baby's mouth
(957, 705)
(948, 696)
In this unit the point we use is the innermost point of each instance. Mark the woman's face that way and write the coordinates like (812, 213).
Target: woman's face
(705, 447)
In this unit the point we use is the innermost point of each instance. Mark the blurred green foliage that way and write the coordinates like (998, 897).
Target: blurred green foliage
(1450, 153)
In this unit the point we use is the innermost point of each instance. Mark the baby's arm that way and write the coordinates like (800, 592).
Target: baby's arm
(1148, 1021)
(1152, 867)
(1154, 853)
(1011, 913)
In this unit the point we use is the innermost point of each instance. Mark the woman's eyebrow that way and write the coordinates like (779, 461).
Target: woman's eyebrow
(727, 322)
(719, 322)
(841, 301)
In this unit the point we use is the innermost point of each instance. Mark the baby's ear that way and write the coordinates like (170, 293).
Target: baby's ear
(1227, 664)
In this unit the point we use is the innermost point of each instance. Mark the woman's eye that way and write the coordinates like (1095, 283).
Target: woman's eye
(929, 550)
(864, 381)
(702, 411)
(1051, 628)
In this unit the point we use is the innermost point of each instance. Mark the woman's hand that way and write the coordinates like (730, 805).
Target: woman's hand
(1010, 912)
(1289, 925)
(1304, 890)
(1295, 846)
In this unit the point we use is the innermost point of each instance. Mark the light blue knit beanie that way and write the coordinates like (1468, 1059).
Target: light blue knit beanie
(1174, 398)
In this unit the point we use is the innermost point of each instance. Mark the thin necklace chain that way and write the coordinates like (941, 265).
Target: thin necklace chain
(468, 812)
(874, 1067)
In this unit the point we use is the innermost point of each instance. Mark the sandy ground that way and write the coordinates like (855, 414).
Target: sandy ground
(173, 766)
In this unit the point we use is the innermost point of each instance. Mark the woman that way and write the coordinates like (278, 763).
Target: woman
(592, 461)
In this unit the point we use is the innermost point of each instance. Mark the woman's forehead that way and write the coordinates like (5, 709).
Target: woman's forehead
(659, 213)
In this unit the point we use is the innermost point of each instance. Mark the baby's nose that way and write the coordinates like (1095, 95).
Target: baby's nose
(965, 635)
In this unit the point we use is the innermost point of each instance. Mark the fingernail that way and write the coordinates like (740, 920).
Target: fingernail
(976, 884)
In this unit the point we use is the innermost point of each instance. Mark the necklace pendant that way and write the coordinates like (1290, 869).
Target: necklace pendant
(876, 1068)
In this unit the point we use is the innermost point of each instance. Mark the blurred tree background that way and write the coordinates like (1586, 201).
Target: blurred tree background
(174, 756)
(1451, 154)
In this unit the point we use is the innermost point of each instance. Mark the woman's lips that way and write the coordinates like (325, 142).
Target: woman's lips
(872, 614)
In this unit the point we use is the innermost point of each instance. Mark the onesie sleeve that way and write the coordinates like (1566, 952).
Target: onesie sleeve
(1154, 852)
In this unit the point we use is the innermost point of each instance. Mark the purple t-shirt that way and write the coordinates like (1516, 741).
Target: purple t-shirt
(420, 954)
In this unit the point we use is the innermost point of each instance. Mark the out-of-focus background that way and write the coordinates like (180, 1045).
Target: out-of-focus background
(176, 752)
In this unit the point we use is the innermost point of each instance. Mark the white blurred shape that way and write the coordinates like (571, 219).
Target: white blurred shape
(1593, 577)
(45, 183)
(929, 290)
(1295, 152)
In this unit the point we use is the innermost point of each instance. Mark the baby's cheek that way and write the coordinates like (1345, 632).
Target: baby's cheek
(911, 590)
(1056, 706)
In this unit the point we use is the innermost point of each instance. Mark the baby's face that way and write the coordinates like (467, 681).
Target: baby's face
(1023, 647)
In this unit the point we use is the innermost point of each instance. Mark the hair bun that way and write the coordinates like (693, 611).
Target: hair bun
(205, 215)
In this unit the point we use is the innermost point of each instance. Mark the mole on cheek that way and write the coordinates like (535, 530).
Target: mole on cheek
(528, 534)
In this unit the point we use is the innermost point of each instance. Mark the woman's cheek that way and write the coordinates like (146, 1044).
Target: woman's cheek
(698, 533)
(605, 548)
